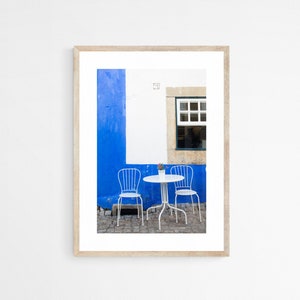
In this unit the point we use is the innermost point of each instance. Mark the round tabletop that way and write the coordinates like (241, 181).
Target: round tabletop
(163, 178)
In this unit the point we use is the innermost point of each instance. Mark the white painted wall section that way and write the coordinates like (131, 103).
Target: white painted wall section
(146, 122)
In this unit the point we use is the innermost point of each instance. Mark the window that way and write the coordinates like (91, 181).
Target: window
(191, 123)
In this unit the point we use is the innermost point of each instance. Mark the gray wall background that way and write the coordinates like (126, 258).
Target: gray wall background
(36, 41)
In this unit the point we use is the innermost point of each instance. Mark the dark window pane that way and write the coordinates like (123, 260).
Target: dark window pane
(184, 117)
(183, 106)
(194, 117)
(191, 137)
(203, 105)
(194, 106)
(203, 117)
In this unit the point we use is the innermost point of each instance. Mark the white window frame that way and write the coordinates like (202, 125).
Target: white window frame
(179, 111)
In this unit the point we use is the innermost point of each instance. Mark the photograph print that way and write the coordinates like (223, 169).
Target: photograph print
(149, 120)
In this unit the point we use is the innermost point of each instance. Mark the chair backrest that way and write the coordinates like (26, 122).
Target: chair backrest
(185, 171)
(129, 179)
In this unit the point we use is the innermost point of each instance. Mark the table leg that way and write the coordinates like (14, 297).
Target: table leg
(157, 206)
(164, 199)
(164, 203)
(176, 208)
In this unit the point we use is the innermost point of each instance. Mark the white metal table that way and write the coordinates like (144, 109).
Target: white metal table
(164, 180)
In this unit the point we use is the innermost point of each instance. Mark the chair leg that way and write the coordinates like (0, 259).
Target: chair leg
(142, 211)
(199, 208)
(137, 206)
(176, 209)
(192, 204)
(119, 210)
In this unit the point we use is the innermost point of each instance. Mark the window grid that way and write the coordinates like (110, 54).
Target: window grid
(191, 111)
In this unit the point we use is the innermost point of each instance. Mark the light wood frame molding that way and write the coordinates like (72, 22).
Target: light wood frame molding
(76, 151)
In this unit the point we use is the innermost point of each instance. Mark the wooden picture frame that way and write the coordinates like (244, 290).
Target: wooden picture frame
(131, 65)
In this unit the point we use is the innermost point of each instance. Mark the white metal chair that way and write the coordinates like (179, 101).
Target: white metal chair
(184, 187)
(129, 180)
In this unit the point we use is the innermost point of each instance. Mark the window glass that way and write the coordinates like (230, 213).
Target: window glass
(194, 117)
(183, 106)
(191, 137)
(184, 117)
(191, 123)
(194, 105)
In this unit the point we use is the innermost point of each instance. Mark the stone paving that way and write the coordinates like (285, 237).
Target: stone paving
(107, 223)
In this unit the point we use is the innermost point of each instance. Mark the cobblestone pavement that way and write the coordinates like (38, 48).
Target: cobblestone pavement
(106, 223)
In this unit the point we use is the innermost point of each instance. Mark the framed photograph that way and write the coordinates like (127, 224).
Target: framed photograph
(151, 151)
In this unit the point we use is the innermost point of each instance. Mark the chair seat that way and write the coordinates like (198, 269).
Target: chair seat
(129, 195)
(186, 192)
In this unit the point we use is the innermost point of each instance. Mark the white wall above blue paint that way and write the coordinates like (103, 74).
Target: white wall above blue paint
(146, 121)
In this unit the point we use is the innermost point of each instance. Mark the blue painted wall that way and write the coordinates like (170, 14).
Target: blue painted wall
(111, 146)
(111, 130)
